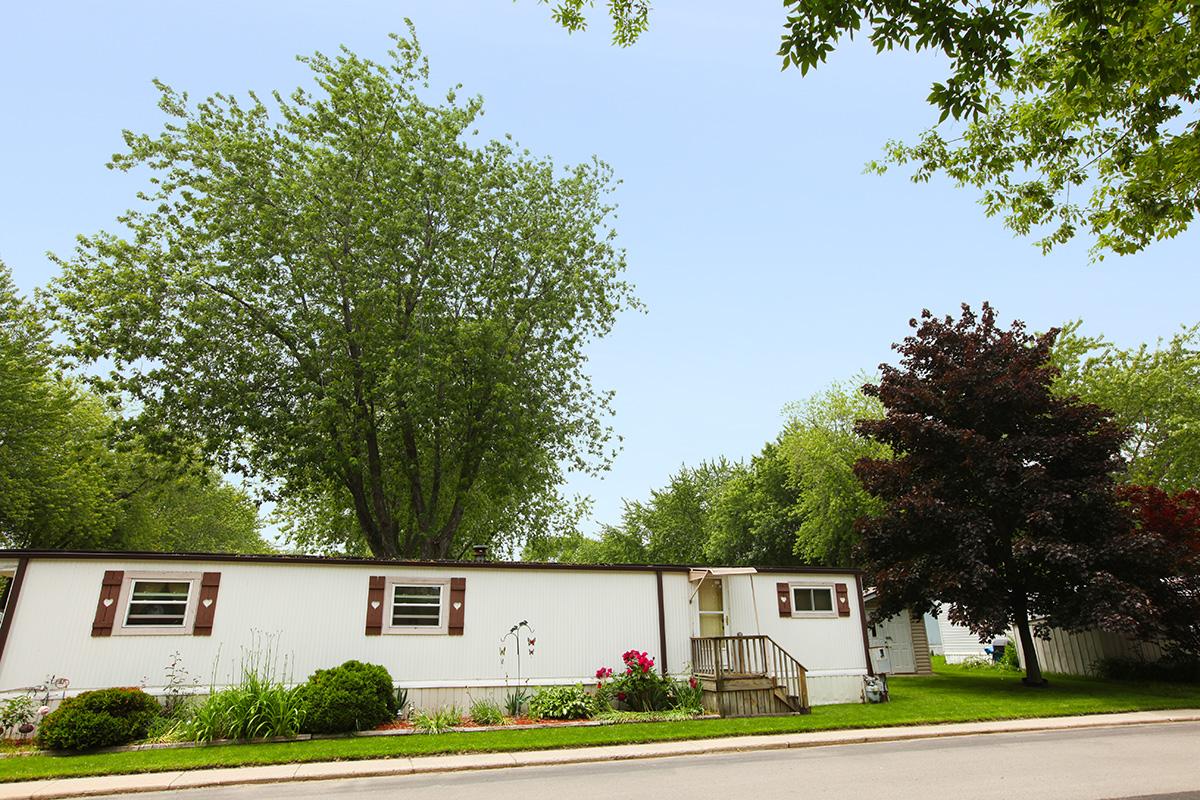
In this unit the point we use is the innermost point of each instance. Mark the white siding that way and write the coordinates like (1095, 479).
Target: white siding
(824, 645)
(958, 643)
(314, 613)
(317, 612)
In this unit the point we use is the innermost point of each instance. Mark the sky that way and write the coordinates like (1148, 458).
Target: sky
(770, 265)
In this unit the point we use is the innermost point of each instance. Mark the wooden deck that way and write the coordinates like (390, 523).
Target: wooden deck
(748, 676)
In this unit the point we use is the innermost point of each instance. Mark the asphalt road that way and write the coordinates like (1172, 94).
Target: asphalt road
(1143, 762)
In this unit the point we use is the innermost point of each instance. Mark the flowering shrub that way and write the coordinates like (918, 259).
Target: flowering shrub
(640, 688)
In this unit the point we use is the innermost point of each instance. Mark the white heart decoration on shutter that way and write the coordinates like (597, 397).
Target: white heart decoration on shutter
(374, 604)
(108, 601)
(458, 606)
(207, 602)
(782, 599)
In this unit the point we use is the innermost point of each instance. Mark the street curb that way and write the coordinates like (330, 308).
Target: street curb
(282, 773)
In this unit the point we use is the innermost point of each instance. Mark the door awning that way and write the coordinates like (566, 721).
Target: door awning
(699, 574)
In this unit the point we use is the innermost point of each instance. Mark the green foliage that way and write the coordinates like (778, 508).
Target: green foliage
(1009, 659)
(73, 475)
(630, 18)
(486, 712)
(439, 721)
(717, 511)
(562, 702)
(1152, 391)
(15, 712)
(260, 705)
(822, 446)
(341, 293)
(754, 516)
(352, 697)
(103, 718)
(514, 702)
(1067, 116)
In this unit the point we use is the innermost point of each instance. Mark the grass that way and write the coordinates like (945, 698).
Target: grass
(951, 695)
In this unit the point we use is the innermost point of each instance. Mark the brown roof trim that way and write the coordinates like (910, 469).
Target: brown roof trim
(233, 558)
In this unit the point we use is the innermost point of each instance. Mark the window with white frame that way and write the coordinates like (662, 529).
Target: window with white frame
(417, 606)
(158, 603)
(812, 601)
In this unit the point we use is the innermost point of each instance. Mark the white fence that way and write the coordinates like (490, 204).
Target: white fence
(1079, 653)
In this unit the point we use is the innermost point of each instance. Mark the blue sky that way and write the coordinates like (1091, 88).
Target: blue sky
(769, 263)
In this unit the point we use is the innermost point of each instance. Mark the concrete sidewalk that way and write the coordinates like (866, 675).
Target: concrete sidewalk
(166, 781)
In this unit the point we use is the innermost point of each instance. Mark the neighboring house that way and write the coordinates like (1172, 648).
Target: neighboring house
(902, 639)
(958, 643)
(115, 619)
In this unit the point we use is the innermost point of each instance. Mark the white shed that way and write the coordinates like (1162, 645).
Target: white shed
(114, 619)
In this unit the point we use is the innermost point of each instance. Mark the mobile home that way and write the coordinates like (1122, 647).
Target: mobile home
(444, 630)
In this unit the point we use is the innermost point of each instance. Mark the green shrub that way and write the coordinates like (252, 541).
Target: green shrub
(103, 718)
(1009, 659)
(352, 697)
(486, 712)
(562, 702)
(439, 721)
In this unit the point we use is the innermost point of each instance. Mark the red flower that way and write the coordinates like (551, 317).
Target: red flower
(692, 682)
(620, 695)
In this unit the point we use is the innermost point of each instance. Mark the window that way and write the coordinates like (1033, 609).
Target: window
(417, 606)
(162, 603)
(158, 603)
(813, 601)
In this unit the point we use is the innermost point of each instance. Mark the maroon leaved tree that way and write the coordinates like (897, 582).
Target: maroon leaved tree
(1000, 499)
(1167, 533)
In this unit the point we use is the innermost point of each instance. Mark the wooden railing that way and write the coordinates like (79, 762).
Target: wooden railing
(720, 657)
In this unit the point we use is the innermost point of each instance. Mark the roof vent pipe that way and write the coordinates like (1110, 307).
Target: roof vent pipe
(480, 551)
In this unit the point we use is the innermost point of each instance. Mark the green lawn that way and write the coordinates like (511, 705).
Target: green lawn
(952, 695)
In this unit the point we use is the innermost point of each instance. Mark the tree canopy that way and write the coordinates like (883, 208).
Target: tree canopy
(822, 447)
(1067, 116)
(338, 294)
(1154, 392)
(73, 477)
(1000, 496)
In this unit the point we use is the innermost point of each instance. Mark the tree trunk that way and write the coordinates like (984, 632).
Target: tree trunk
(1033, 670)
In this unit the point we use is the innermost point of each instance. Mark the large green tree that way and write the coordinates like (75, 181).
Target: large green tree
(341, 294)
(822, 447)
(72, 476)
(1000, 495)
(1066, 115)
(1154, 391)
(754, 516)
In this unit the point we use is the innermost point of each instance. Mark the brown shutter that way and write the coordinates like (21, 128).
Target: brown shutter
(206, 606)
(785, 599)
(458, 609)
(843, 599)
(106, 607)
(375, 605)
